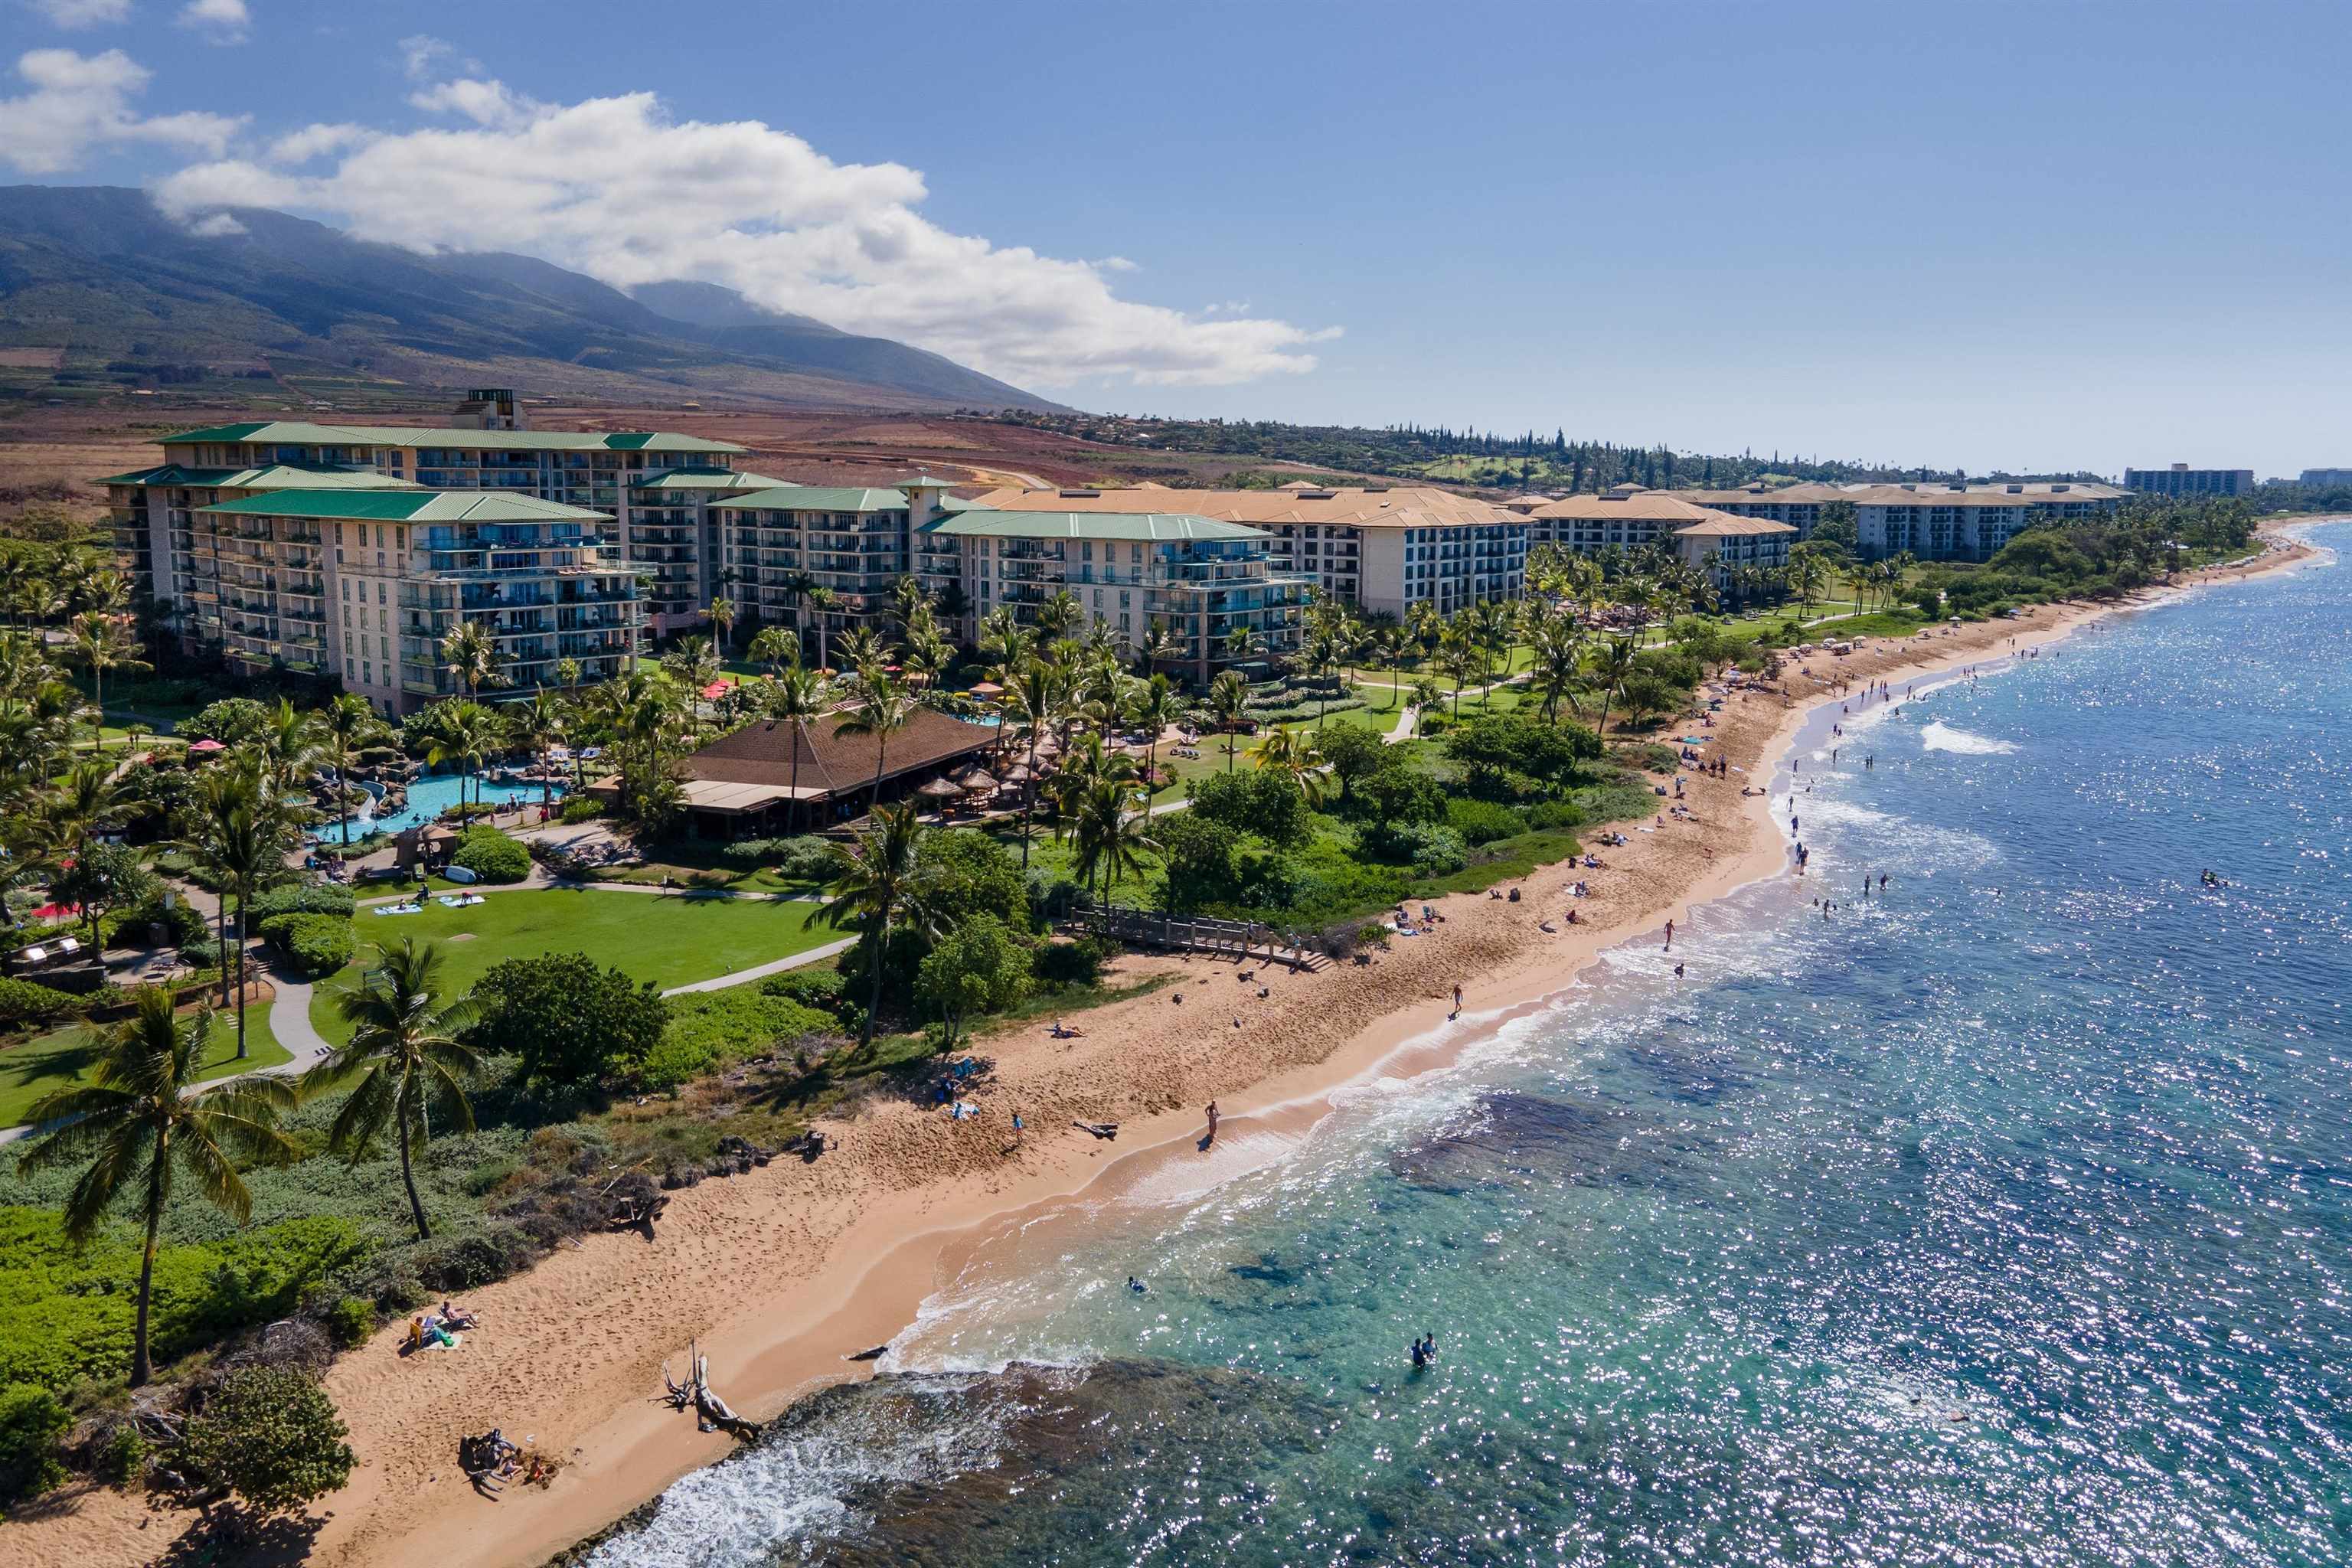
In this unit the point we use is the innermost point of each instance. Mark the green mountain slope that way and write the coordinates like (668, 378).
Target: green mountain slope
(132, 299)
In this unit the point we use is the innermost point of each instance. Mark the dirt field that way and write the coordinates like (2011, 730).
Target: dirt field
(46, 445)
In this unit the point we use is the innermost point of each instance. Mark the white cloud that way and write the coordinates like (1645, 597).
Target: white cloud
(79, 102)
(316, 141)
(226, 20)
(491, 103)
(421, 53)
(219, 225)
(616, 188)
(83, 12)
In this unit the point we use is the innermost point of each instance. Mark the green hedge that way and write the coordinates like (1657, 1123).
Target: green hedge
(31, 1422)
(23, 1002)
(66, 1314)
(491, 855)
(318, 945)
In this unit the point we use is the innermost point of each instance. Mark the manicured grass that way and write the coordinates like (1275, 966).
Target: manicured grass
(69, 1055)
(668, 941)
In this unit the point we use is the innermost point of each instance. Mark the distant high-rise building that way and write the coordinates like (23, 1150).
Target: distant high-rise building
(2327, 475)
(2180, 479)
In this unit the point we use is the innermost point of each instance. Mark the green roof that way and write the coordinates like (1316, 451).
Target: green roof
(819, 498)
(302, 433)
(408, 506)
(1157, 527)
(704, 479)
(276, 477)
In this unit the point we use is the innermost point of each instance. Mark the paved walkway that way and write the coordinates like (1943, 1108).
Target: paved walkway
(761, 971)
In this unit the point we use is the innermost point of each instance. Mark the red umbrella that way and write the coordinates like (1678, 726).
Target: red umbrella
(714, 692)
(208, 746)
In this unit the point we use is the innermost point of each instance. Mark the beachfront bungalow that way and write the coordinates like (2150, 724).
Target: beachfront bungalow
(748, 784)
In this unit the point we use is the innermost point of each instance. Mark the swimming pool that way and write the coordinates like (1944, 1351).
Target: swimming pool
(430, 795)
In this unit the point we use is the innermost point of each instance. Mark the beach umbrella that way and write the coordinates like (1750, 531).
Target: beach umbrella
(987, 688)
(1018, 773)
(939, 789)
(714, 692)
(975, 779)
(208, 746)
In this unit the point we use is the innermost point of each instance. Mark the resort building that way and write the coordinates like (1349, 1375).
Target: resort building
(1193, 578)
(2181, 480)
(1383, 548)
(365, 584)
(820, 559)
(1629, 517)
(2326, 477)
(1933, 522)
(153, 508)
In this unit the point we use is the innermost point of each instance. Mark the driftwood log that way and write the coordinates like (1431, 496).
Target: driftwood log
(711, 1413)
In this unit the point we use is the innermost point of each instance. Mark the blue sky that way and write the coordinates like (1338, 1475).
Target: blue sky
(2044, 235)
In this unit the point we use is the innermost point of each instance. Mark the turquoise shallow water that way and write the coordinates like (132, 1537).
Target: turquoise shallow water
(2004, 1218)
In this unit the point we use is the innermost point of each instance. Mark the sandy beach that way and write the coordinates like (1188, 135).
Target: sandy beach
(781, 1274)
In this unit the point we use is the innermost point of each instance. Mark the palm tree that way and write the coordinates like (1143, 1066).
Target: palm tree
(693, 661)
(469, 653)
(722, 616)
(1289, 752)
(406, 1054)
(1036, 695)
(883, 708)
(101, 646)
(239, 831)
(347, 725)
(288, 748)
(539, 725)
(821, 600)
(795, 696)
(1243, 643)
(1229, 700)
(774, 647)
(1110, 837)
(1559, 645)
(1616, 663)
(1058, 614)
(1004, 643)
(875, 889)
(143, 1119)
(1153, 706)
(464, 732)
(1460, 659)
(862, 650)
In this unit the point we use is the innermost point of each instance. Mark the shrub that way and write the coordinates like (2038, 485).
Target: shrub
(1267, 804)
(1432, 850)
(351, 1321)
(818, 986)
(1552, 813)
(31, 1422)
(271, 1435)
(980, 967)
(570, 1022)
(491, 855)
(1060, 965)
(476, 1259)
(304, 899)
(123, 1455)
(203, 954)
(23, 1002)
(1482, 821)
(712, 1029)
(318, 945)
(580, 808)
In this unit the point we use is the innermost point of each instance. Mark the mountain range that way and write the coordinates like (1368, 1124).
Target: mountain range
(100, 292)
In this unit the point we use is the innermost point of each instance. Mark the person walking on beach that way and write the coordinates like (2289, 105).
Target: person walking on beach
(1211, 1138)
(1670, 936)
(1457, 999)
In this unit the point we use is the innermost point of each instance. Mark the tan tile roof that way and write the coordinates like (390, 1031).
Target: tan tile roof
(1723, 525)
(1402, 507)
(1643, 506)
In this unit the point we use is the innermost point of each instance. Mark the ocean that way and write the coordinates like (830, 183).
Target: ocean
(2000, 1217)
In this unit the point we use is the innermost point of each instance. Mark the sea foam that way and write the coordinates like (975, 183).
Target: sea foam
(1940, 736)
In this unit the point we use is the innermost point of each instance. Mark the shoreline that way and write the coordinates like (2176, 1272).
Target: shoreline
(780, 1276)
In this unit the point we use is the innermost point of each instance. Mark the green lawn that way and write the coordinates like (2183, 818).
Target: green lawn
(668, 941)
(66, 1055)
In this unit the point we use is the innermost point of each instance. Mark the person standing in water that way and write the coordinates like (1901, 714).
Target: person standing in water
(1670, 936)
(1211, 1138)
